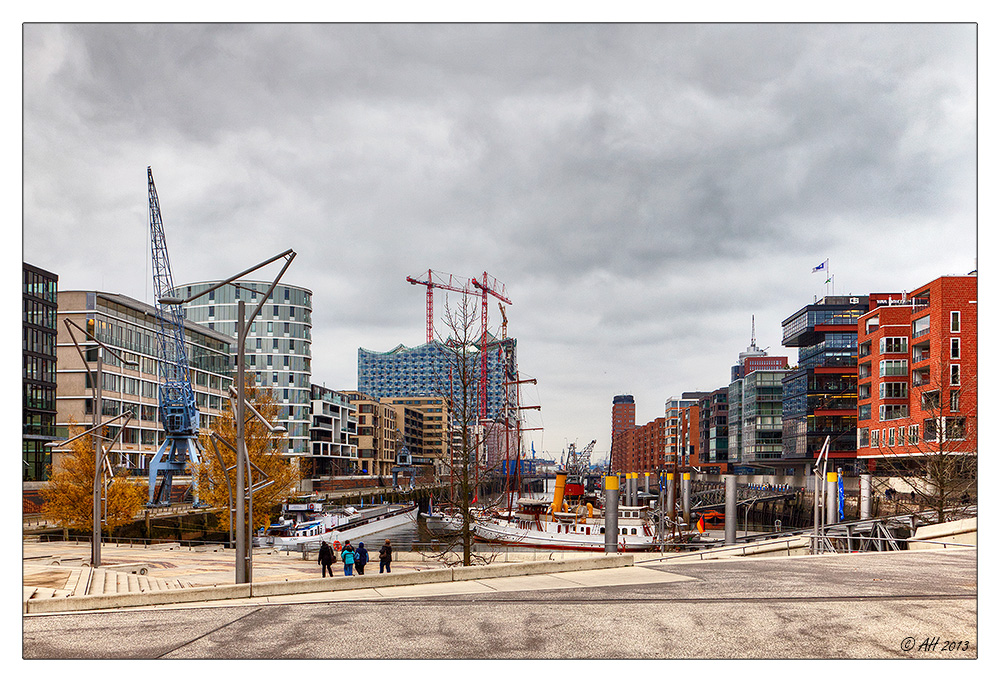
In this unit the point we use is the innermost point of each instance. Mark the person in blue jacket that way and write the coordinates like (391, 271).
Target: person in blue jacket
(349, 556)
(361, 558)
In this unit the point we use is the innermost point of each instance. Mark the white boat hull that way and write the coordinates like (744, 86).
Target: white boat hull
(442, 524)
(361, 530)
(549, 537)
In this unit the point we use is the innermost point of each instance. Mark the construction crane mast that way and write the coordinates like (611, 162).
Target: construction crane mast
(441, 281)
(178, 408)
(489, 286)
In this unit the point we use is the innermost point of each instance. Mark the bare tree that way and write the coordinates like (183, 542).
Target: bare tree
(934, 451)
(466, 465)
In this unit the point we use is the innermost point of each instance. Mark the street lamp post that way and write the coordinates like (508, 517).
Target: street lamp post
(243, 551)
(96, 386)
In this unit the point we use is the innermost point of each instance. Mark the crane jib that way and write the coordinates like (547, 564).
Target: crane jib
(177, 404)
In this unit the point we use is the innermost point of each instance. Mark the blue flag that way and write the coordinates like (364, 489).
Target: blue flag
(822, 266)
(840, 494)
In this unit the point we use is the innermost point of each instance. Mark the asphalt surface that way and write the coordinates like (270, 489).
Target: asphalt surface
(895, 605)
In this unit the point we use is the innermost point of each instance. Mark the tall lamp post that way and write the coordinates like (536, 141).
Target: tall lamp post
(99, 452)
(243, 557)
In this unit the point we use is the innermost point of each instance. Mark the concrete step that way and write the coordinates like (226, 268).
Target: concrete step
(77, 583)
(97, 581)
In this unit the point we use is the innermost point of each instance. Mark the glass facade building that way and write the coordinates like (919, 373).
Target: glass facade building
(278, 349)
(821, 393)
(429, 370)
(38, 370)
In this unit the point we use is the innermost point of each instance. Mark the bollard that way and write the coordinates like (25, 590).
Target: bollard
(686, 497)
(671, 507)
(661, 512)
(831, 498)
(610, 514)
(730, 509)
(866, 496)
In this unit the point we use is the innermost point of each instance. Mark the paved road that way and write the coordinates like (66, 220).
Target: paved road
(862, 606)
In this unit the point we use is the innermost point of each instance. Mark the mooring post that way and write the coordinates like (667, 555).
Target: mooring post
(831, 498)
(686, 496)
(671, 507)
(866, 496)
(730, 509)
(610, 514)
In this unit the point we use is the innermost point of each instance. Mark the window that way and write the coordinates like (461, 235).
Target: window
(914, 435)
(874, 435)
(871, 324)
(956, 375)
(954, 400)
(891, 441)
(921, 326)
(892, 344)
(956, 321)
(956, 349)
(889, 412)
(895, 389)
(892, 368)
(864, 391)
(930, 400)
(954, 428)
(863, 437)
(864, 412)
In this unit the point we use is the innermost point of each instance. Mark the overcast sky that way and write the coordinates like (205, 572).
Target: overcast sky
(642, 190)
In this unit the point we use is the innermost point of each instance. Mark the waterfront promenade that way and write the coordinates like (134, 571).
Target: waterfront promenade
(891, 605)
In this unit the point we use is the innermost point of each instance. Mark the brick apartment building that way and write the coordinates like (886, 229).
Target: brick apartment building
(918, 371)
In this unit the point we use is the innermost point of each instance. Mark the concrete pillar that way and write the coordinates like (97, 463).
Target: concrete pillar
(831, 497)
(730, 509)
(686, 497)
(866, 496)
(610, 514)
(670, 503)
(661, 511)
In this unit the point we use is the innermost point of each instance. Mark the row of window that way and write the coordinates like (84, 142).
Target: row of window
(953, 429)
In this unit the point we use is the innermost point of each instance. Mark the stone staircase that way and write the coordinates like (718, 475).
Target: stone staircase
(84, 581)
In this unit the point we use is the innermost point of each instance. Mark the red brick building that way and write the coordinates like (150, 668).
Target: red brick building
(622, 421)
(918, 371)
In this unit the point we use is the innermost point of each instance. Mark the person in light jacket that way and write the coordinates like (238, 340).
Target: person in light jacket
(347, 554)
(361, 559)
(385, 558)
(326, 558)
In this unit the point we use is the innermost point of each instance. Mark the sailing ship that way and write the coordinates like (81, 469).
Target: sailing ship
(569, 521)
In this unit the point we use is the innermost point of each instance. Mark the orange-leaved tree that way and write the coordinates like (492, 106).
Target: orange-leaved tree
(265, 450)
(68, 499)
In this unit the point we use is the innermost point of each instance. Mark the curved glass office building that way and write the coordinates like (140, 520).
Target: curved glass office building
(278, 349)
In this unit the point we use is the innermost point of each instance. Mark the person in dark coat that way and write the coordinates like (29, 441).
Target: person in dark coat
(385, 558)
(361, 558)
(326, 558)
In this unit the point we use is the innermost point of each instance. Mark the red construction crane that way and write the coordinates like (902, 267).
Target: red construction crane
(439, 280)
(489, 286)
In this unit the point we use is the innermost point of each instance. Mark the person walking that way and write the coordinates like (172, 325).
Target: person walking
(385, 558)
(326, 558)
(361, 559)
(348, 556)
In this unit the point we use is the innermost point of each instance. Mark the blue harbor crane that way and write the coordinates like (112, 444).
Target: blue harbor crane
(178, 409)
